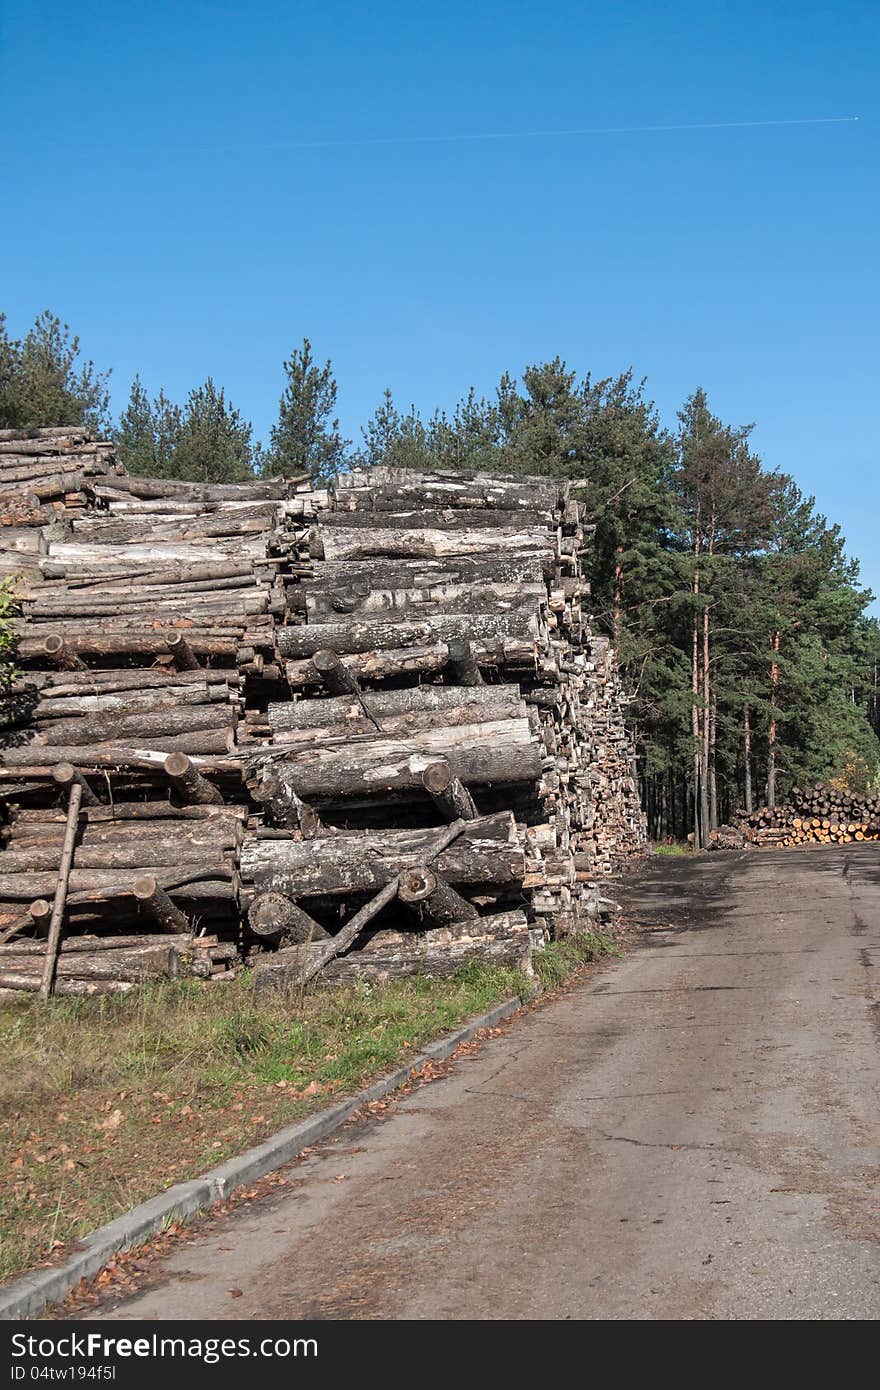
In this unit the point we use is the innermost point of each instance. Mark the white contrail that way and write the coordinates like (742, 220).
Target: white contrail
(547, 134)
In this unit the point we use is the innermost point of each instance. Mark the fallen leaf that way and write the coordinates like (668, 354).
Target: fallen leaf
(235, 1293)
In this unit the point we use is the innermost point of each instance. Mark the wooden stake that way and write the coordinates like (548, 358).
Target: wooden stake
(47, 983)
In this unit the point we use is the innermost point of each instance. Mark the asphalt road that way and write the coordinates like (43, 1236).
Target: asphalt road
(692, 1134)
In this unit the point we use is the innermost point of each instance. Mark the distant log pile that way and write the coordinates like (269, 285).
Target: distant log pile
(215, 676)
(816, 815)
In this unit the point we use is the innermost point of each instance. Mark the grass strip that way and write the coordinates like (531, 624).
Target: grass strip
(107, 1101)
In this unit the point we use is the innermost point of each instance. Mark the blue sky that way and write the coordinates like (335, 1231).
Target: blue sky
(195, 186)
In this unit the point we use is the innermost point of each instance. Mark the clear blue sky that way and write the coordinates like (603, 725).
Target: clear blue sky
(196, 186)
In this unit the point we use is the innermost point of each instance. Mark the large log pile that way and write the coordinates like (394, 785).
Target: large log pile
(246, 712)
(814, 815)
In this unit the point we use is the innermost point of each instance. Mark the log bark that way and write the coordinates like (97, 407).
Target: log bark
(371, 666)
(188, 784)
(333, 673)
(355, 543)
(155, 902)
(495, 753)
(346, 713)
(65, 776)
(271, 917)
(490, 567)
(502, 938)
(181, 652)
(488, 629)
(448, 792)
(488, 853)
(56, 650)
(108, 644)
(463, 663)
(434, 901)
(319, 956)
(170, 720)
(324, 604)
(283, 807)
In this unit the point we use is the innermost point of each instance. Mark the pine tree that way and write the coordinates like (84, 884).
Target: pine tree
(306, 438)
(215, 444)
(43, 382)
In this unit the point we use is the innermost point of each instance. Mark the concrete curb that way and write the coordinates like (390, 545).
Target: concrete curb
(27, 1295)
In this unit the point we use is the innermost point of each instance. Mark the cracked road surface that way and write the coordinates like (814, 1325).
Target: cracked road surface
(693, 1133)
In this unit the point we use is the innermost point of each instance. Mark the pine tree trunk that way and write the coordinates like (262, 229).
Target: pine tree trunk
(713, 783)
(695, 715)
(772, 732)
(747, 759)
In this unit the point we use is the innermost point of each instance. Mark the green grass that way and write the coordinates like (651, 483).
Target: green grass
(680, 847)
(560, 959)
(105, 1101)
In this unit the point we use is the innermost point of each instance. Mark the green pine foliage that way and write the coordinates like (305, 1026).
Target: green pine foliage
(44, 382)
(738, 618)
(306, 438)
(206, 440)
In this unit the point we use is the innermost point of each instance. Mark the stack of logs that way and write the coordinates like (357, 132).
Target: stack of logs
(814, 815)
(214, 676)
